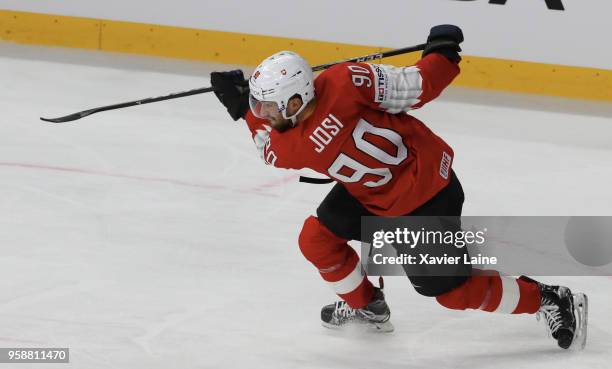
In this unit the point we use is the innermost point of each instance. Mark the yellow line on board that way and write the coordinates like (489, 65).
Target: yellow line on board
(247, 49)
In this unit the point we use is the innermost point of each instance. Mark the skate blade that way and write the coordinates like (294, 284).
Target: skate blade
(385, 327)
(581, 311)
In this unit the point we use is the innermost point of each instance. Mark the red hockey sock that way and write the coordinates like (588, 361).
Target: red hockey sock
(337, 263)
(489, 292)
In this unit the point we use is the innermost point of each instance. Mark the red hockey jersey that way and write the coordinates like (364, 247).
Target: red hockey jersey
(360, 135)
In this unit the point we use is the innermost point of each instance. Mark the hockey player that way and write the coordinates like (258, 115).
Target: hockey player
(350, 123)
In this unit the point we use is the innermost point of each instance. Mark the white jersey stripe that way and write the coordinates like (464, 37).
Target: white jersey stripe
(510, 296)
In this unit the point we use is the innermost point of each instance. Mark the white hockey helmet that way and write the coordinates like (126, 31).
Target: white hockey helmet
(276, 80)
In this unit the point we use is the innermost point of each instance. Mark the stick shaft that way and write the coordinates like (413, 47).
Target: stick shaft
(84, 113)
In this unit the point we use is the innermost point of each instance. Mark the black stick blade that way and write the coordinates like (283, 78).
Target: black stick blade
(67, 118)
(71, 117)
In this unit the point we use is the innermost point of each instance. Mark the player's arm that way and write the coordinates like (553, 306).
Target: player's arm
(439, 63)
(396, 89)
(232, 89)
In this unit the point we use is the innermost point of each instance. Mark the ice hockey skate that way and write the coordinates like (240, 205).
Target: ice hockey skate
(565, 315)
(374, 316)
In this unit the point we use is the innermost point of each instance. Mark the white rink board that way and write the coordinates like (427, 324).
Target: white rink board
(520, 30)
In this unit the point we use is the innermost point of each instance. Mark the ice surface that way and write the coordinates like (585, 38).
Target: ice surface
(154, 237)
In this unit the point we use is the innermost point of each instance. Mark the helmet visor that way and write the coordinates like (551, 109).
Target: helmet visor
(263, 109)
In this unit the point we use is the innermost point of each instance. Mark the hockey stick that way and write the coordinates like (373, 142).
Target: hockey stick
(84, 113)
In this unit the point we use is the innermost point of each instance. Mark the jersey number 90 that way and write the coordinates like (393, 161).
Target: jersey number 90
(359, 169)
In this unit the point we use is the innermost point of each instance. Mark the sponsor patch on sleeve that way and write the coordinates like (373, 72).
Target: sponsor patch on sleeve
(381, 83)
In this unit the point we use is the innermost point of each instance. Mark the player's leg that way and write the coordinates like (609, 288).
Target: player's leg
(435, 280)
(323, 241)
(565, 313)
(337, 263)
(341, 213)
(457, 286)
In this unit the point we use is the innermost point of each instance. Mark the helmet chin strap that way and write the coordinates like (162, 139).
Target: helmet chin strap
(293, 118)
